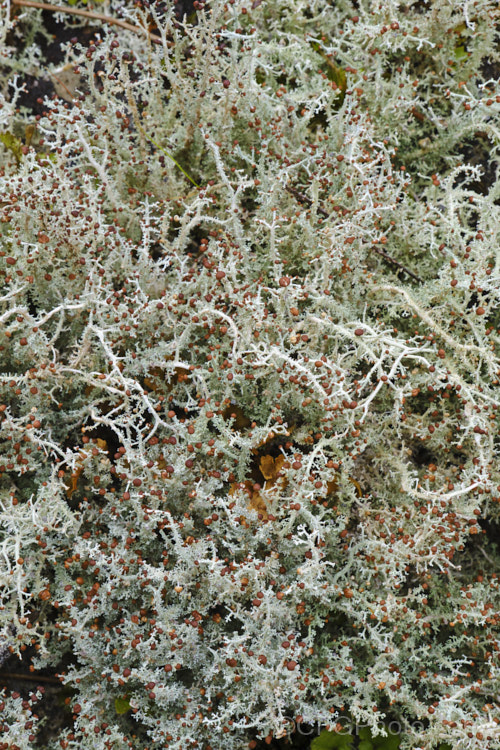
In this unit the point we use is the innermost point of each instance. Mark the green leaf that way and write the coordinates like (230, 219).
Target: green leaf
(168, 155)
(13, 144)
(332, 741)
(337, 75)
(391, 742)
(364, 734)
(260, 76)
(122, 705)
(334, 72)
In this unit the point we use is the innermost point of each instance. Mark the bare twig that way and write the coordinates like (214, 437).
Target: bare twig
(395, 262)
(30, 678)
(87, 14)
(304, 199)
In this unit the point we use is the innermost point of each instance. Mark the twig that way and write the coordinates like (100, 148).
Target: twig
(30, 678)
(395, 262)
(304, 199)
(87, 14)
